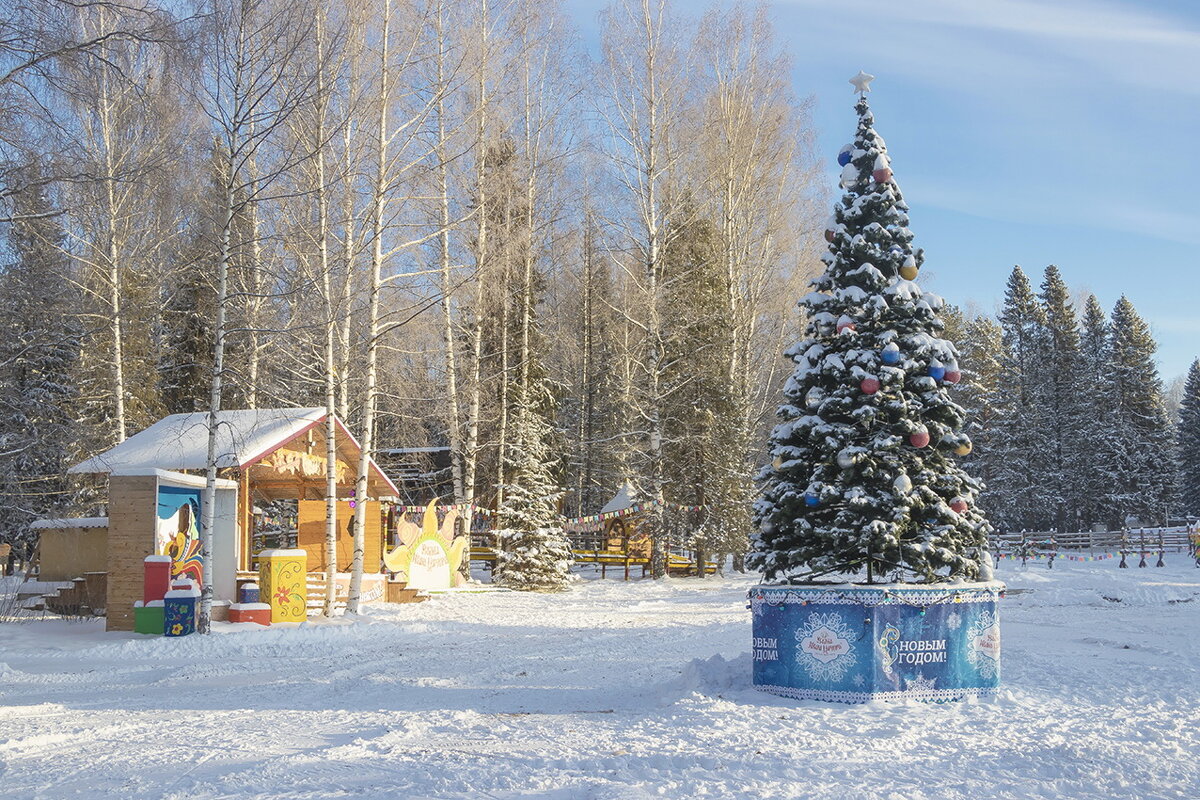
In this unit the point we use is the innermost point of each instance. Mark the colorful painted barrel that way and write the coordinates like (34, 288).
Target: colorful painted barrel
(148, 618)
(250, 612)
(284, 584)
(179, 611)
(156, 578)
(853, 644)
(248, 593)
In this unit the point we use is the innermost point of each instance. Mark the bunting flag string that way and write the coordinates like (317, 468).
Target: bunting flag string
(588, 519)
(461, 508)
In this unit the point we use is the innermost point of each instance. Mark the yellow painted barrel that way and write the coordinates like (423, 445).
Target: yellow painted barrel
(283, 583)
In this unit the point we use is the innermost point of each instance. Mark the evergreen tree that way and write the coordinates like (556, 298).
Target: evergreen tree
(979, 395)
(1143, 468)
(1018, 448)
(1189, 443)
(533, 552)
(1059, 398)
(39, 344)
(1095, 470)
(864, 473)
(704, 460)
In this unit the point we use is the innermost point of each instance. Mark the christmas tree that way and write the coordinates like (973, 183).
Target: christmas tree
(864, 477)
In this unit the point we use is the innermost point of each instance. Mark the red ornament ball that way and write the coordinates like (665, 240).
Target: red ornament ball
(882, 175)
(952, 376)
(845, 324)
(870, 385)
(919, 439)
(958, 505)
(829, 234)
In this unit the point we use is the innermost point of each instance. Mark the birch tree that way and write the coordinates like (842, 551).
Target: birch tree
(645, 111)
(248, 101)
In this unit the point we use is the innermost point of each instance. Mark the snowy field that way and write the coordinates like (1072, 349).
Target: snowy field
(615, 690)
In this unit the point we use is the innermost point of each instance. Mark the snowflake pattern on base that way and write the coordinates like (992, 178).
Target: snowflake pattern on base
(920, 684)
(825, 646)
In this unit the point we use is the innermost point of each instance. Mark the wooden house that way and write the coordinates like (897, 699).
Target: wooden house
(156, 478)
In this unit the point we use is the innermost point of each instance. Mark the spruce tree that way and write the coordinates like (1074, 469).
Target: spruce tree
(39, 345)
(1018, 446)
(1096, 471)
(864, 476)
(979, 395)
(1188, 438)
(533, 552)
(704, 459)
(1143, 467)
(1059, 398)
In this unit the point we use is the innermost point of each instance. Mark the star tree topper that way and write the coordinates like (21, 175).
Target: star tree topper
(862, 82)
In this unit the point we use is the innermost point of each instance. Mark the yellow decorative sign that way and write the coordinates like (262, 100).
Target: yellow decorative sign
(429, 556)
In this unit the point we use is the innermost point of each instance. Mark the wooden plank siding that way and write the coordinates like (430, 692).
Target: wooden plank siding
(310, 535)
(133, 509)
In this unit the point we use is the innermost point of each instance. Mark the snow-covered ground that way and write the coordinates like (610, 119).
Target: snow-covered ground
(614, 690)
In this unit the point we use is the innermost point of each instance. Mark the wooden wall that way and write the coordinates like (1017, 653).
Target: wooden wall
(133, 510)
(310, 535)
(66, 553)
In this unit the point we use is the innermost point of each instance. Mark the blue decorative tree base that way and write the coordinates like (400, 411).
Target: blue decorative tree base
(853, 644)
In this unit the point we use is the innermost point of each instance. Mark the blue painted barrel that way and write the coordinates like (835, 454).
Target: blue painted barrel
(248, 593)
(179, 612)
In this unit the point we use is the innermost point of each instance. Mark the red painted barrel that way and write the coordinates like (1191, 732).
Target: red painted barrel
(157, 578)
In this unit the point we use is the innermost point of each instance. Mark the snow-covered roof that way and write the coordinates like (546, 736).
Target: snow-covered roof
(623, 499)
(77, 522)
(180, 441)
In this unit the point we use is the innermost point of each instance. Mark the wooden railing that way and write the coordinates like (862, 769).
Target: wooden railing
(1141, 542)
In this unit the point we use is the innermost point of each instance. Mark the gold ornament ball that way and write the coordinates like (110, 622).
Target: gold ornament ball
(908, 272)
(963, 449)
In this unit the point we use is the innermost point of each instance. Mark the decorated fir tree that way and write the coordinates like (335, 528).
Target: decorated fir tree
(864, 479)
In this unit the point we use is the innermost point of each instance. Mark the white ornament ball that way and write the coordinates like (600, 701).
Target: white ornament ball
(902, 484)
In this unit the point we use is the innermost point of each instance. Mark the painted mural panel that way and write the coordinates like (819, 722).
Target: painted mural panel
(177, 532)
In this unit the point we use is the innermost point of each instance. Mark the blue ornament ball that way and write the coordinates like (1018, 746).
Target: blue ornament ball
(890, 354)
(845, 154)
(937, 371)
(811, 500)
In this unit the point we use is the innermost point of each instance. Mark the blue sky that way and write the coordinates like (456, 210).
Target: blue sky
(1027, 132)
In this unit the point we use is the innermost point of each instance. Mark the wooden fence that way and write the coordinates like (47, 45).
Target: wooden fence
(1140, 542)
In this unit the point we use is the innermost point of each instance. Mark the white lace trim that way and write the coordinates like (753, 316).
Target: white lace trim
(790, 595)
(831, 696)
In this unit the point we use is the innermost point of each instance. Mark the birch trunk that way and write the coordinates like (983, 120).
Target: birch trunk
(373, 328)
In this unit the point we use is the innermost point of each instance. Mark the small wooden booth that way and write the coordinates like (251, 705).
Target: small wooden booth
(626, 527)
(264, 456)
